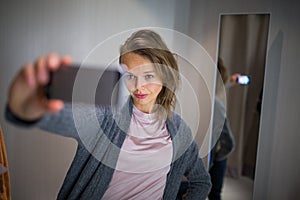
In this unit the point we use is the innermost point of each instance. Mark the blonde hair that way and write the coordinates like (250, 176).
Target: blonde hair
(150, 45)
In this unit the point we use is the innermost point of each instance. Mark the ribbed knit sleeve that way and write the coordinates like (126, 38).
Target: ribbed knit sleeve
(72, 121)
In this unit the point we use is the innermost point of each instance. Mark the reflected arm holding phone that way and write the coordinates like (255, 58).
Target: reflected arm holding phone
(238, 79)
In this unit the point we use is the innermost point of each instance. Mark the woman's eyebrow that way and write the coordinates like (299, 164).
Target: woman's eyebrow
(127, 72)
(146, 72)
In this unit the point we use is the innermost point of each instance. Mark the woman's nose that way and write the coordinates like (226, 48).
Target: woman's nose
(140, 82)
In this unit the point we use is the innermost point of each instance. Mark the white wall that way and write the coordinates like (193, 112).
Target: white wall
(278, 159)
(38, 161)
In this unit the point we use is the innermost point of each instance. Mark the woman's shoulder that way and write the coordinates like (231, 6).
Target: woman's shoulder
(177, 119)
(178, 125)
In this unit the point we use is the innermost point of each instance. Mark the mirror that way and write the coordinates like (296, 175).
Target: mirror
(242, 46)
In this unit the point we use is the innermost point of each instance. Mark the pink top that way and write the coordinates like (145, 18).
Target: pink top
(144, 160)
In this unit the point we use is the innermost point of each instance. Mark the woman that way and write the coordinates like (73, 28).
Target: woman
(139, 152)
(222, 136)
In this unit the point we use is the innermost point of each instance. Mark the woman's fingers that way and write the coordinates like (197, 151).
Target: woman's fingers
(66, 60)
(28, 74)
(54, 106)
(41, 71)
(53, 61)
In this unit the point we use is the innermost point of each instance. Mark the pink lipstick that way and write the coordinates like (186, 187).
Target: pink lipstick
(140, 96)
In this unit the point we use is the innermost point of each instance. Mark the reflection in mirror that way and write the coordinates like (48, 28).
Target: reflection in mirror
(242, 49)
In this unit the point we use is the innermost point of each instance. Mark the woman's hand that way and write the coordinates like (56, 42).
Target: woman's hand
(26, 98)
(233, 79)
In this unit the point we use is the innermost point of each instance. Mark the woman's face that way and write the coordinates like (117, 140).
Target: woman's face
(142, 80)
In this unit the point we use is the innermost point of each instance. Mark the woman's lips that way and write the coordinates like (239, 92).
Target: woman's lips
(140, 96)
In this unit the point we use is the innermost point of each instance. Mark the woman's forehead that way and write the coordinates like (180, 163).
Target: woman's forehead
(136, 63)
(140, 69)
(133, 59)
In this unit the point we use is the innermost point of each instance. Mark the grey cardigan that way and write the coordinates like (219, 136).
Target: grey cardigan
(221, 133)
(93, 166)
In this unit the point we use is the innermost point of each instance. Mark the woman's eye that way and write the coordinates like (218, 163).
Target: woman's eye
(149, 76)
(130, 76)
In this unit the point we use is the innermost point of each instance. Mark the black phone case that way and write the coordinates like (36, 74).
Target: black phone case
(86, 85)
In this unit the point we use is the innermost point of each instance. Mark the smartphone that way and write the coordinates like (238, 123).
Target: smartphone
(92, 85)
(243, 80)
